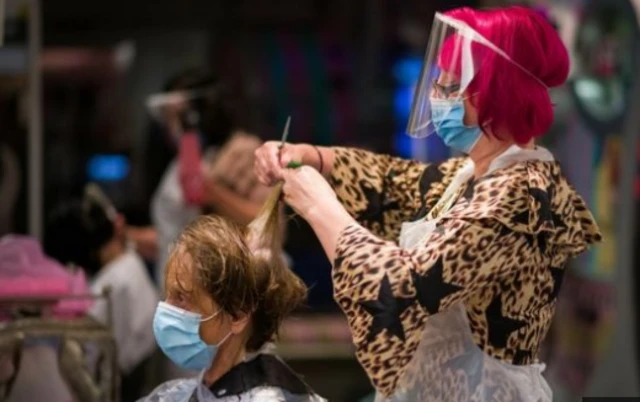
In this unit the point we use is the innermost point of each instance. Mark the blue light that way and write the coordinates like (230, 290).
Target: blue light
(407, 70)
(403, 98)
(403, 145)
(108, 168)
(406, 73)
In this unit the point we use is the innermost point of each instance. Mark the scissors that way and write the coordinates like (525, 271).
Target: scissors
(285, 134)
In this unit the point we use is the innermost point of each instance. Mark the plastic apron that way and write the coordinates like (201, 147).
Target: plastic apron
(447, 342)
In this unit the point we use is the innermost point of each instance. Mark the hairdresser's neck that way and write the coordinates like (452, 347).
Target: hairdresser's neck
(114, 249)
(488, 149)
(224, 362)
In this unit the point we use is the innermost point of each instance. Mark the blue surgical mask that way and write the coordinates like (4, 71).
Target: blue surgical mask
(177, 334)
(447, 117)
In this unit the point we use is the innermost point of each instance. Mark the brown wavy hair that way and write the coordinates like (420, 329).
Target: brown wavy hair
(242, 269)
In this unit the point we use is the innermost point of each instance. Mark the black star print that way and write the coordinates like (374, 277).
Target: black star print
(470, 190)
(431, 288)
(522, 217)
(422, 212)
(430, 175)
(546, 212)
(377, 204)
(529, 238)
(499, 326)
(558, 222)
(522, 357)
(558, 275)
(542, 242)
(505, 231)
(386, 312)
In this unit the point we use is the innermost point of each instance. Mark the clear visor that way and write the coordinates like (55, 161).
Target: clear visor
(455, 54)
(166, 106)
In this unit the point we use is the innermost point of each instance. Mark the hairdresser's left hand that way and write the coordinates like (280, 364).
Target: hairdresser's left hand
(307, 192)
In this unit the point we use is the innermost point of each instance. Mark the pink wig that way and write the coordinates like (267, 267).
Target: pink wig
(507, 98)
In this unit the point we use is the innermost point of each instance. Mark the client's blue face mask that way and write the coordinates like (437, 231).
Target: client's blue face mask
(447, 117)
(177, 333)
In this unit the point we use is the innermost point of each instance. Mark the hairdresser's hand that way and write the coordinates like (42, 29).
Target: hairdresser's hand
(270, 159)
(308, 193)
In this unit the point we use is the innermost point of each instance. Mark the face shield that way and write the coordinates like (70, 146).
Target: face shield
(176, 108)
(455, 55)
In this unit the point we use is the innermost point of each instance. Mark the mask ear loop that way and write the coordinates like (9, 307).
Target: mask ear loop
(225, 338)
(210, 317)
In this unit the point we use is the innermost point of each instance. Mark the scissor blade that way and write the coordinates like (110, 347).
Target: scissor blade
(285, 133)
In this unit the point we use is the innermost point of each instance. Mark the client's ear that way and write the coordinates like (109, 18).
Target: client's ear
(239, 324)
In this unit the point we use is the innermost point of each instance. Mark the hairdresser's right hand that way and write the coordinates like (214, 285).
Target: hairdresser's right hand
(270, 160)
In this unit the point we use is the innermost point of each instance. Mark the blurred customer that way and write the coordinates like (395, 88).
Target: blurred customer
(213, 169)
(163, 135)
(224, 305)
(90, 233)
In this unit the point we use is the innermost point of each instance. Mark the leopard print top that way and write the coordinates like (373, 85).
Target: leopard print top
(500, 252)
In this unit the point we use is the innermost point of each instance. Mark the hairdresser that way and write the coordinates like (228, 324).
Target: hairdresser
(449, 274)
(211, 166)
(223, 307)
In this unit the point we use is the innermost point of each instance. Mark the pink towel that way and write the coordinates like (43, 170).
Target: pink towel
(26, 272)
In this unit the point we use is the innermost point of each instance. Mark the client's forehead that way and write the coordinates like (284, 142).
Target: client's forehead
(179, 271)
